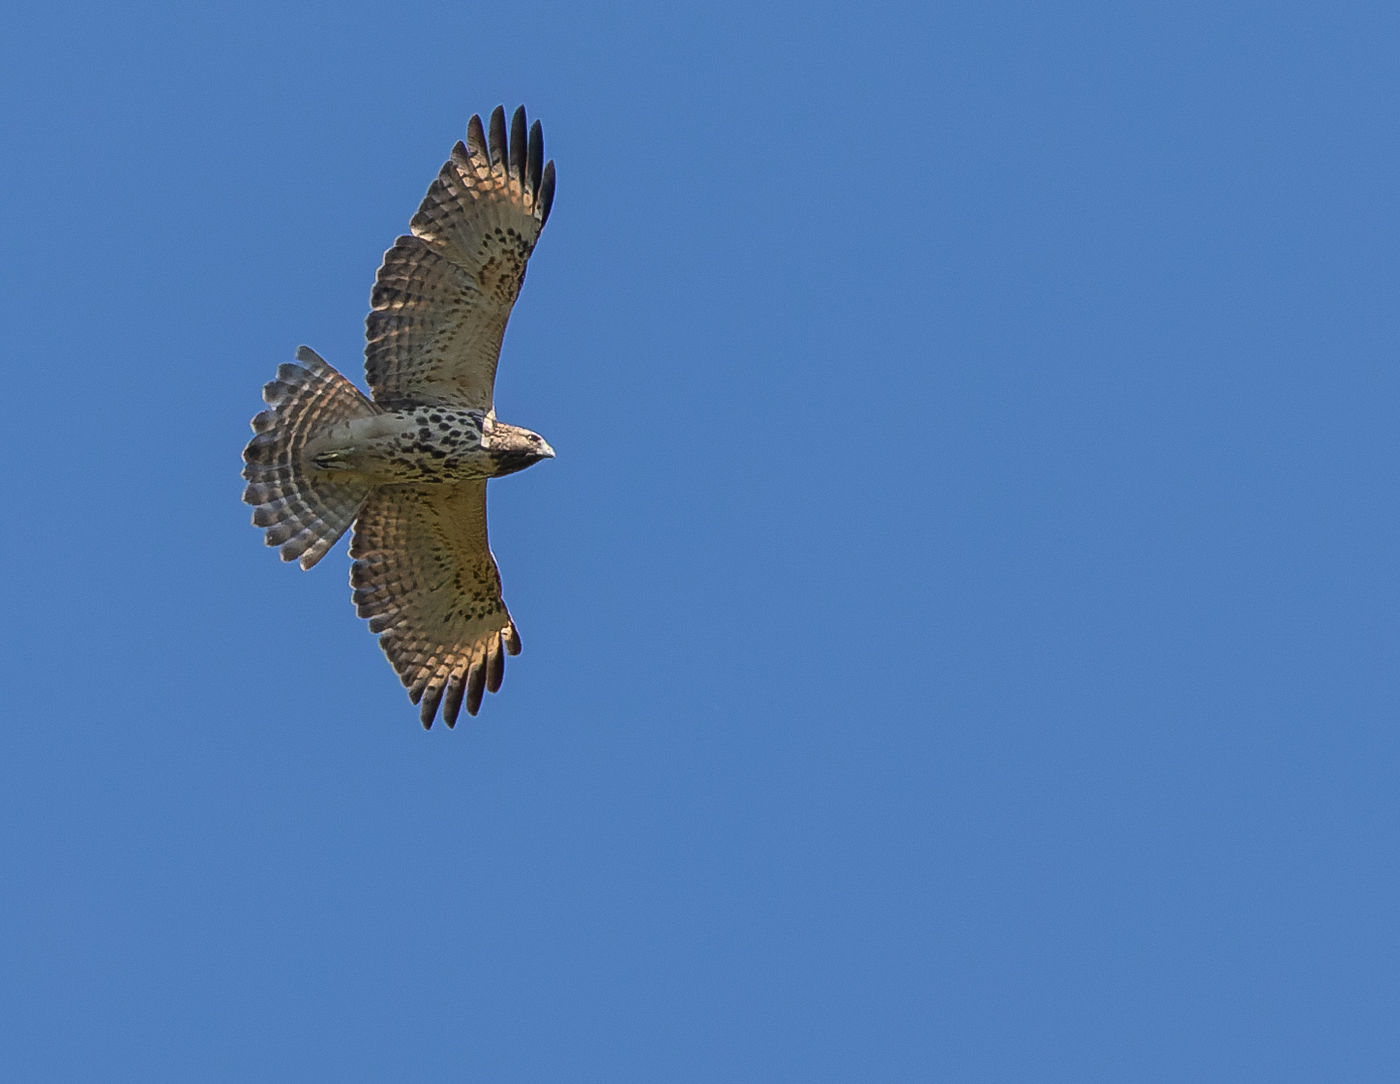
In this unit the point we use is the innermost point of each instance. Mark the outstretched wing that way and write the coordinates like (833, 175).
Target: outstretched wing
(425, 578)
(444, 293)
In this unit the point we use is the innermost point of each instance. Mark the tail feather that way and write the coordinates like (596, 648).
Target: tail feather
(303, 513)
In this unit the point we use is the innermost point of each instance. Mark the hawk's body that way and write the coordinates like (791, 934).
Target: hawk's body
(423, 444)
(408, 468)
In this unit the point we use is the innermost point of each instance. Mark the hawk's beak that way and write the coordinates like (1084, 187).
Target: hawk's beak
(545, 450)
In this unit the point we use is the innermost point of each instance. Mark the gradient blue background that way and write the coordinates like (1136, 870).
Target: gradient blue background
(962, 625)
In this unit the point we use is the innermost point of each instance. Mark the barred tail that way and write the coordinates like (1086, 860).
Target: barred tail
(304, 513)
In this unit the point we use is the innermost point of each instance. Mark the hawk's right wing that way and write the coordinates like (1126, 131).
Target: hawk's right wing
(425, 578)
(444, 293)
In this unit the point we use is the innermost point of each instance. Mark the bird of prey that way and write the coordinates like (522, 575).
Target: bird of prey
(408, 467)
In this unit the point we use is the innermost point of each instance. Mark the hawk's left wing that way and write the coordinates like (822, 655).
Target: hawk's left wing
(425, 578)
(444, 293)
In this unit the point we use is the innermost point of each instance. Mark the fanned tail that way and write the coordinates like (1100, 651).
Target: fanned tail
(303, 512)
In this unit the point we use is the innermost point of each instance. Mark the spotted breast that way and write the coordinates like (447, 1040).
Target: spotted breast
(423, 444)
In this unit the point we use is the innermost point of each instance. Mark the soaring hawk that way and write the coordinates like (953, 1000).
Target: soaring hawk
(408, 468)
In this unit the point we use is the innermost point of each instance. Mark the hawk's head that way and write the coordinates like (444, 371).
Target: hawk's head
(512, 448)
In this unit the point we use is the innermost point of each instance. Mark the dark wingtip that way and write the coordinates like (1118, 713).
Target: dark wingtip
(452, 701)
(495, 669)
(428, 708)
(476, 685)
(476, 138)
(545, 200)
(498, 136)
(517, 144)
(534, 158)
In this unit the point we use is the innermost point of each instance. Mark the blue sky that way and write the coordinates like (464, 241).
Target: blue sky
(962, 623)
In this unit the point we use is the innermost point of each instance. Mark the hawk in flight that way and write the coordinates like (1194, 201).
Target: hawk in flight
(408, 467)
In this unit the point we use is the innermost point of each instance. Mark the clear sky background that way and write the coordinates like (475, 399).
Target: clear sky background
(962, 624)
